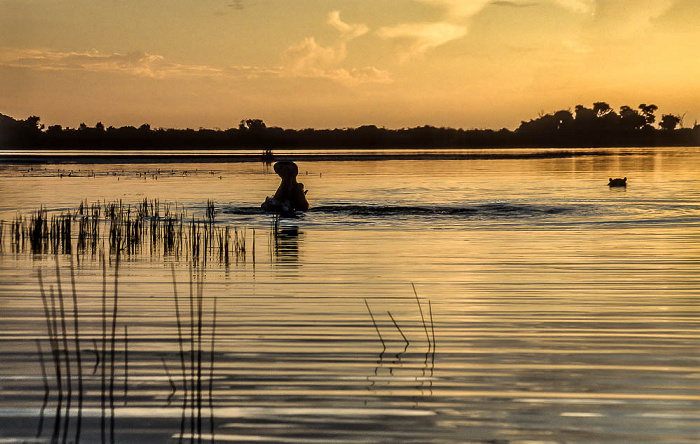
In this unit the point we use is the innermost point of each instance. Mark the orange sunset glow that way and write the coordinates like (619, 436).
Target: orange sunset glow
(334, 64)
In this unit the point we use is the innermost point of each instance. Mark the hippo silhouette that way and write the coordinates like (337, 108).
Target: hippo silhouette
(617, 182)
(290, 195)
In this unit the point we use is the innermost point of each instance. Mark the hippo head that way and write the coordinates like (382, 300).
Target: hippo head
(286, 169)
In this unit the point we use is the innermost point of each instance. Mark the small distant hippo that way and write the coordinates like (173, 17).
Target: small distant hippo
(617, 182)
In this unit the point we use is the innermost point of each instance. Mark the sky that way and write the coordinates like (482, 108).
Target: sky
(337, 64)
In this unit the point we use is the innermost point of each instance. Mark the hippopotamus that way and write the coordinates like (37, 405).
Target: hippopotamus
(290, 195)
(617, 182)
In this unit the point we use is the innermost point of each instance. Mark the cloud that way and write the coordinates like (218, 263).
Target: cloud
(422, 37)
(347, 31)
(578, 6)
(309, 55)
(310, 59)
(513, 4)
(132, 63)
(459, 8)
(615, 20)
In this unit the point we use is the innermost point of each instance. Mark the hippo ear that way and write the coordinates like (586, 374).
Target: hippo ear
(610, 179)
(625, 179)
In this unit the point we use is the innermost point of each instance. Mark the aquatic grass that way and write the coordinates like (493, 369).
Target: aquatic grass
(374, 322)
(193, 368)
(399, 329)
(427, 364)
(148, 227)
(422, 318)
(55, 315)
(198, 376)
(211, 210)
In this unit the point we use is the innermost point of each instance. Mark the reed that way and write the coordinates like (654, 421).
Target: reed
(422, 318)
(146, 227)
(399, 329)
(96, 350)
(45, 380)
(211, 210)
(57, 366)
(374, 322)
(173, 388)
(66, 352)
(267, 156)
(78, 355)
(197, 374)
(180, 340)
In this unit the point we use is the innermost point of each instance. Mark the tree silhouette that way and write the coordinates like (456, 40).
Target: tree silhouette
(584, 127)
(601, 109)
(669, 122)
(630, 119)
(648, 112)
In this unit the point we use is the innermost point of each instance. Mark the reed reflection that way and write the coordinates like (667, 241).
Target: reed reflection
(402, 364)
(97, 391)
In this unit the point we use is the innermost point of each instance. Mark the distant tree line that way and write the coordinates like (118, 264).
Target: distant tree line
(598, 126)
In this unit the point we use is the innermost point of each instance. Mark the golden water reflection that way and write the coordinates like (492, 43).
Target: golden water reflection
(562, 310)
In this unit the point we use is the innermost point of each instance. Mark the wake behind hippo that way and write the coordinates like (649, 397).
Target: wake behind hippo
(290, 195)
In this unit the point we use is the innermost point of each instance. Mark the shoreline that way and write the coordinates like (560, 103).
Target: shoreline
(136, 158)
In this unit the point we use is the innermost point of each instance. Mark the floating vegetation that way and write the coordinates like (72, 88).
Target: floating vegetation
(116, 228)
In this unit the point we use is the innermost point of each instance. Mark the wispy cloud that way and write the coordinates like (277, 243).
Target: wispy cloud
(459, 8)
(311, 59)
(513, 4)
(132, 63)
(421, 37)
(578, 6)
(348, 31)
(309, 54)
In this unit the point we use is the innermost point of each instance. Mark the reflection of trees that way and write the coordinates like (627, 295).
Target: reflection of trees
(596, 126)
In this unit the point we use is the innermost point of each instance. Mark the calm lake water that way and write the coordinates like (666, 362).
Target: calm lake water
(426, 301)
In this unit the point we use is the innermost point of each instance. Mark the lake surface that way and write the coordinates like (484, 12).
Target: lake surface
(426, 301)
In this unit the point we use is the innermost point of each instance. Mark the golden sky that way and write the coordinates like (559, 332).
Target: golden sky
(335, 64)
